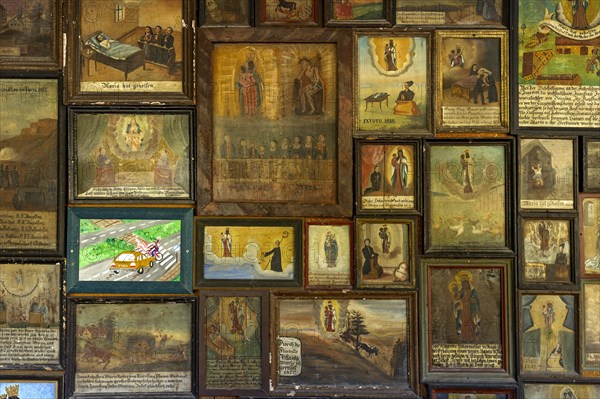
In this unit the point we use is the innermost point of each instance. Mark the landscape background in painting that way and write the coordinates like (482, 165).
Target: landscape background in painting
(451, 12)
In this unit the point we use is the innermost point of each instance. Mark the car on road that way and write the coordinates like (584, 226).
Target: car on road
(131, 260)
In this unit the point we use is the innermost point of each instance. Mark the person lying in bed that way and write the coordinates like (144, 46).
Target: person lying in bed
(104, 40)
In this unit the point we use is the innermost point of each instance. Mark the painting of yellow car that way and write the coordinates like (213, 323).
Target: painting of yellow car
(131, 260)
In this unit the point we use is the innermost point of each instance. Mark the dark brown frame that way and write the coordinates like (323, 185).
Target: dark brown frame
(417, 180)
(388, 19)
(573, 253)
(61, 181)
(585, 186)
(503, 375)
(260, 17)
(72, 304)
(206, 204)
(581, 242)
(54, 60)
(264, 341)
(202, 10)
(548, 376)
(75, 55)
(379, 392)
(331, 222)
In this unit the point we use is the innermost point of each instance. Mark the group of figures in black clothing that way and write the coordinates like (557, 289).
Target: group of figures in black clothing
(485, 80)
(297, 149)
(154, 41)
(9, 177)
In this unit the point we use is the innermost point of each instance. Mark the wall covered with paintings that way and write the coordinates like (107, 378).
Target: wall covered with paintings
(268, 198)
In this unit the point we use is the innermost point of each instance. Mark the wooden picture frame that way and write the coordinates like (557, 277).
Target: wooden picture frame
(550, 77)
(328, 254)
(258, 182)
(152, 338)
(114, 59)
(235, 336)
(547, 173)
(481, 76)
(449, 14)
(590, 364)
(225, 13)
(558, 389)
(33, 182)
(305, 13)
(248, 252)
(31, 310)
(548, 251)
(470, 392)
(130, 250)
(339, 321)
(480, 320)
(589, 228)
(33, 39)
(386, 252)
(385, 181)
(468, 193)
(352, 13)
(591, 170)
(131, 154)
(548, 334)
(32, 386)
(386, 61)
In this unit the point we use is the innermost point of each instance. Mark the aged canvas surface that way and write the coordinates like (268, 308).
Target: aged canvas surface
(226, 12)
(547, 250)
(466, 318)
(388, 178)
(329, 343)
(357, 10)
(133, 347)
(467, 197)
(289, 12)
(548, 334)
(544, 391)
(145, 35)
(132, 156)
(329, 255)
(233, 342)
(546, 174)
(590, 239)
(274, 123)
(558, 74)
(29, 164)
(392, 93)
(30, 308)
(591, 338)
(449, 12)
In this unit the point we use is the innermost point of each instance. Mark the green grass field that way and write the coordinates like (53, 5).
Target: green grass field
(106, 249)
(161, 230)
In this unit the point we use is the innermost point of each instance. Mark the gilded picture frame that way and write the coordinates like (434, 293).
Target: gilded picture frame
(554, 67)
(340, 321)
(33, 187)
(248, 252)
(129, 250)
(114, 59)
(548, 335)
(386, 61)
(388, 176)
(31, 309)
(353, 13)
(235, 336)
(574, 389)
(244, 169)
(129, 155)
(467, 199)
(304, 13)
(32, 39)
(32, 386)
(448, 13)
(152, 338)
(547, 173)
(480, 76)
(589, 228)
(480, 320)
(328, 254)
(386, 252)
(548, 251)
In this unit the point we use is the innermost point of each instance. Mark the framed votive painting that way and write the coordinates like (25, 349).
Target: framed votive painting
(392, 92)
(135, 155)
(472, 81)
(358, 12)
(226, 13)
(589, 235)
(590, 355)
(129, 250)
(449, 12)
(288, 13)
